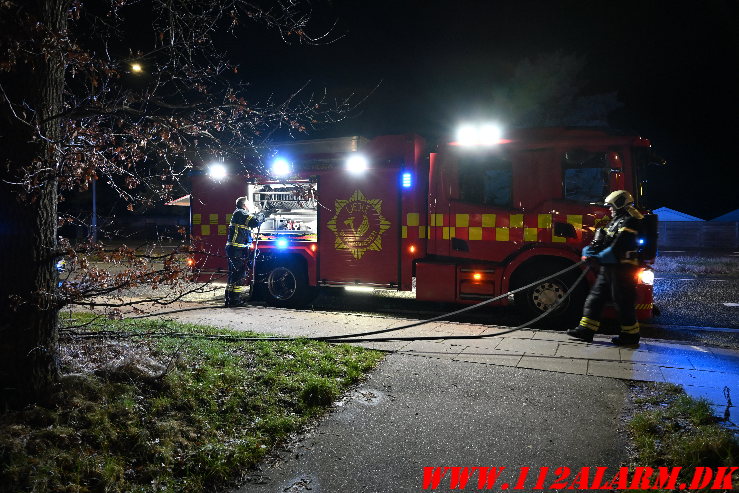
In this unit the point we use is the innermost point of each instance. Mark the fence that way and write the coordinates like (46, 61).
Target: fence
(698, 234)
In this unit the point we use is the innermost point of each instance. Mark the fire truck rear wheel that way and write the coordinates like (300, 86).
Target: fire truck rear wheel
(287, 285)
(534, 301)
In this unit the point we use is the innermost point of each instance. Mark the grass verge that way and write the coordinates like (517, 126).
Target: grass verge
(169, 414)
(671, 429)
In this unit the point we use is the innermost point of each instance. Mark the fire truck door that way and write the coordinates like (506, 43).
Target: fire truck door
(359, 231)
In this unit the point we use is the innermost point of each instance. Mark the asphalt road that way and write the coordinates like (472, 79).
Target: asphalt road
(415, 412)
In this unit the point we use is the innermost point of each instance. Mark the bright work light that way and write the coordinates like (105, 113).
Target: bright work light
(486, 134)
(359, 289)
(356, 164)
(280, 167)
(217, 171)
(489, 134)
(467, 135)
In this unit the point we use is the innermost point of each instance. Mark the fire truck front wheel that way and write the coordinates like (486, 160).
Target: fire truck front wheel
(545, 294)
(287, 285)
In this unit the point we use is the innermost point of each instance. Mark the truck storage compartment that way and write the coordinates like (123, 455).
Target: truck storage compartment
(436, 282)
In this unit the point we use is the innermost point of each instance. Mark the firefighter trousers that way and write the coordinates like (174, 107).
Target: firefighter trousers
(615, 283)
(238, 262)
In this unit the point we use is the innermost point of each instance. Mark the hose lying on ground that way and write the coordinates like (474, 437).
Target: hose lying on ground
(361, 337)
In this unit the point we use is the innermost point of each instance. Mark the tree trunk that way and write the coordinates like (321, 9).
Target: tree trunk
(28, 223)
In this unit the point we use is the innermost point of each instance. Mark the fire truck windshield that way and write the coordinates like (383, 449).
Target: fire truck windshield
(585, 176)
(485, 179)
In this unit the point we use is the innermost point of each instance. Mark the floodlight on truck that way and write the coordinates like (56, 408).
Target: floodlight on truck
(280, 168)
(486, 134)
(217, 171)
(357, 164)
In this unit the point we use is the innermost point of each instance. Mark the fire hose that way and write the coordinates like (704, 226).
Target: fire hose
(361, 337)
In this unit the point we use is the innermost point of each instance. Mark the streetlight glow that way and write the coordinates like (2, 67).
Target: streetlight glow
(136, 68)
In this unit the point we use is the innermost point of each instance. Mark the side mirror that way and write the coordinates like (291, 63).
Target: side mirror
(655, 159)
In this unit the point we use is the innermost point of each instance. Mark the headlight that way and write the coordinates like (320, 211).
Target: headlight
(646, 276)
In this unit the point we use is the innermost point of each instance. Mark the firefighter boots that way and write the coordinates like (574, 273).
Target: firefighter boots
(626, 340)
(582, 333)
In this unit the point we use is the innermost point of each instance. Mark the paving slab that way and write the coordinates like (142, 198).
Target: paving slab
(560, 365)
(625, 371)
(476, 355)
(596, 351)
(715, 396)
(529, 346)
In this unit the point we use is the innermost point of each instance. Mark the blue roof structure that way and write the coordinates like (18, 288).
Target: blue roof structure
(730, 217)
(667, 214)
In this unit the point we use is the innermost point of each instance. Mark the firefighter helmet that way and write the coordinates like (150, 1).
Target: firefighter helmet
(619, 199)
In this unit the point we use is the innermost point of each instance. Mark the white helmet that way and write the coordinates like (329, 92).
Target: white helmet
(619, 199)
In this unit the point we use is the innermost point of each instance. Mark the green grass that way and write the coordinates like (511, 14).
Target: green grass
(220, 408)
(672, 429)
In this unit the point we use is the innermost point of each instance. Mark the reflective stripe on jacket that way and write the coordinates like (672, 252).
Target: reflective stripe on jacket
(239, 229)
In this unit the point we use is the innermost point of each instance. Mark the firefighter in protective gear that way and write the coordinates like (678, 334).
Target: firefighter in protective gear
(238, 245)
(615, 249)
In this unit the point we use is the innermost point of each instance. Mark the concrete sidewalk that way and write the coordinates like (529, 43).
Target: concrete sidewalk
(707, 372)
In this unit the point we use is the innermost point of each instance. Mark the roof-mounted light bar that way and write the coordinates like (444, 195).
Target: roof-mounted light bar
(479, 135)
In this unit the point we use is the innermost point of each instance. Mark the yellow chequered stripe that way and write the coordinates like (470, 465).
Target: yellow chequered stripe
(644, 306)
(492, 227)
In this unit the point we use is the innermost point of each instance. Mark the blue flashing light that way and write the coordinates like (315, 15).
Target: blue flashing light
(282, 243)
(407, 180)
(640, 241)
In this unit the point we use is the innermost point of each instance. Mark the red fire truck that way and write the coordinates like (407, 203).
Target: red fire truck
(474, 219)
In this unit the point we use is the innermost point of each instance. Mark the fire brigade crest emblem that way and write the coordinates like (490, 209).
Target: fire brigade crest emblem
(358, 224)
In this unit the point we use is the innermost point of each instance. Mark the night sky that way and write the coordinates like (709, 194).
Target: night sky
(673, 65)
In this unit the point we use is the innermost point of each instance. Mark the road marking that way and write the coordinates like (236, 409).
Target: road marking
(731, 304)
(717, 280)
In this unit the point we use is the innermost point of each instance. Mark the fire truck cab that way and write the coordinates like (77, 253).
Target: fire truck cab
(462, 224)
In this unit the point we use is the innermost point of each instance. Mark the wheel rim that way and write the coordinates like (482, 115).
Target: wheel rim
(545, 295)
(281, 283)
